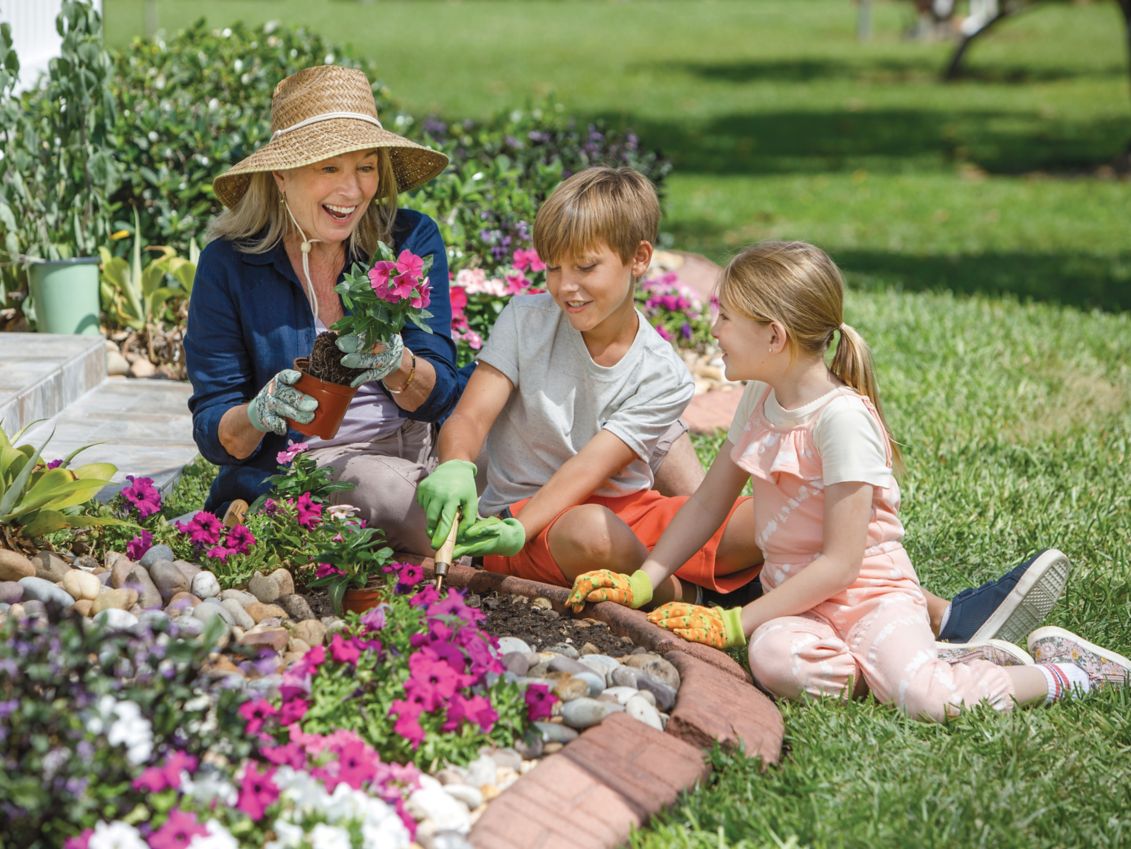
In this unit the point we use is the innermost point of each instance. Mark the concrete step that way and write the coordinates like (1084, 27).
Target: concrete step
(42, 374)
(143, 427)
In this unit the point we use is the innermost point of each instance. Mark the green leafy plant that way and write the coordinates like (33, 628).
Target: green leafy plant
(38, 498)
(139, 296)
(352, 560)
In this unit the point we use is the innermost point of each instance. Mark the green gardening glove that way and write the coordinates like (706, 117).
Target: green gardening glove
(448, 489)
(711, 626)
(279, 401)
(491, 536)
(633, 590)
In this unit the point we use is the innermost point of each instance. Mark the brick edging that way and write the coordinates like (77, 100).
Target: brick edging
(619, 773)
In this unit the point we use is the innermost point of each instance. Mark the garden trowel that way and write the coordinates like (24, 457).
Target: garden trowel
(444, 553)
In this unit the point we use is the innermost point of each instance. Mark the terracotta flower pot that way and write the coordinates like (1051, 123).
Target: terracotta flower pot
(361, 599)
(333, 399)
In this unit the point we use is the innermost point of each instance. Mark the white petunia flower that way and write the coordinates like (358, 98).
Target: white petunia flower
(390, 833)
(115, 835)
(209, 785)
(287, 835)
(330, 837)
(217, 837)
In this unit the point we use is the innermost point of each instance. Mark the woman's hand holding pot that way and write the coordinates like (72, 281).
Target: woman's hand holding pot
(378, 364)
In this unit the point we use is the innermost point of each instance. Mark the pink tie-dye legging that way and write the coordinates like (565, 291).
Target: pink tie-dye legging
(876, 631)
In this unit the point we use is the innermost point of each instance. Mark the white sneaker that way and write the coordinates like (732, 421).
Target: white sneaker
(1105, 668)
(998, 652)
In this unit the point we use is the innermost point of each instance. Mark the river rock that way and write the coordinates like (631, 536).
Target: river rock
(14, 566)
(83, 607)
(620, 695)
(148, 596)
(602, 664)
(259, 612)
(187, 625)
(156, 554)
(115, 619)
(264, 588)
(239, 614)
(310, 631)
(181, 603)
(664, 695)
(82, 585)
(556, 732)
(40, 589)
(32, 608)
(465, 793)
(188, 569)
(284, 581)
(655, 667)
(11, 592)
(168, 579)
(481, 771)
(120, 569)
(442, 812)
(516, 662)
(50, 566)
(625, 676)
(584, 712)
(209, 609)
(513, 644)
(244, 598)
(204, 585)
(122, 598)
(297, 607)
(638, 708)
(273, 638)
(567, 688)
(565, 649)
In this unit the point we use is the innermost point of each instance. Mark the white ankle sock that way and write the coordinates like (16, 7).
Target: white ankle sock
(945, 619)
(1064, 680)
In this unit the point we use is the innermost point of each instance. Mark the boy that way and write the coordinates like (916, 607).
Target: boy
(572, 392)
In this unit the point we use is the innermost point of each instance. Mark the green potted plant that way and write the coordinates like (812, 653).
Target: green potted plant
(58, 173)
(349, 566)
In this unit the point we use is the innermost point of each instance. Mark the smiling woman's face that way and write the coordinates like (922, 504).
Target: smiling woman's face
(329, 197)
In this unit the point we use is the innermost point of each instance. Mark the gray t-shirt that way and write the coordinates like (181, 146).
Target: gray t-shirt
(562, 399)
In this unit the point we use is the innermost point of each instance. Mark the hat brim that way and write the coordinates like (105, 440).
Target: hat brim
(413, 164)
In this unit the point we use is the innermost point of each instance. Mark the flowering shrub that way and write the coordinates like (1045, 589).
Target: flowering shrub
(675, 311)
(415, 677)
(477, 299)
(351, 559)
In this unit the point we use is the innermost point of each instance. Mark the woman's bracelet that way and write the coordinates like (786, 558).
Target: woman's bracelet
(408, 380)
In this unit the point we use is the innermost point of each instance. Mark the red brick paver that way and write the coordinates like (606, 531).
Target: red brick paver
(712, 410)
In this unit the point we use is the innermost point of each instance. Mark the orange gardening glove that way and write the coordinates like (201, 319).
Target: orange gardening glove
(712, 626)
(633, 590)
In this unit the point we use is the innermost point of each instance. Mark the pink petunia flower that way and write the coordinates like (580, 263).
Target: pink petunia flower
(80, 841)
(410, 264)
(380, 273)
(410, 574)
(255, 713)
(136, 547)
(240, 539)
(144, 497)
(270, 506)
(309, 511)
(458, 298)
(258, 791)
(179, 829)
(539, 702)
(374, 618)
(325, 570)
(425, 597)
(292, 450)
(204, 529)
(422, 297)
(343, 650)
(292, 711)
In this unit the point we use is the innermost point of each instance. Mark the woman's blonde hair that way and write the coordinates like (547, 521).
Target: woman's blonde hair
(798, 285)
(258, 221)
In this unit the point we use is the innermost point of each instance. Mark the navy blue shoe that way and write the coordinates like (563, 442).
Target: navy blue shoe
(1011, 606)
(737, 598)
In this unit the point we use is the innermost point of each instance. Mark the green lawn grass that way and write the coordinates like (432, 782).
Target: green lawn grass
(988, 257)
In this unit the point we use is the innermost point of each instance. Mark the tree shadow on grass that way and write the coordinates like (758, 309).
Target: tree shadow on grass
(808, 141)
(1075, 279)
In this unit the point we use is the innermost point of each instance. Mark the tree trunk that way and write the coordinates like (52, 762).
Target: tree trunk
(1008, 8)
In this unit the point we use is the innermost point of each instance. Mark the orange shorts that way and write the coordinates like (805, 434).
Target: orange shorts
(647, 514)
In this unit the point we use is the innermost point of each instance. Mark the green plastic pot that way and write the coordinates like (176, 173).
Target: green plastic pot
(65, 295)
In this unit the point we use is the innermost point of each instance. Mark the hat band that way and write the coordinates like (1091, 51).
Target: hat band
(326, 116)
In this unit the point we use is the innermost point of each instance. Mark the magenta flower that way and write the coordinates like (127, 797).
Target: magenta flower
(136, 547)
(527, 260)
(379, 275)
(257, 791)
(422, 297)
(203, 529)
(325, 570)
(344, 651)
(219, 552)
(410, 264)
(309, 511)
(56, 463)
(256, 712)
(431, 679)
(80, 841)
(374, 618)
(144, 497)
(539, 702)
(240, 539)
(401, 287)
(425, 597)
(292, 711)
(357, 762)
(288, 754)
(408, 722)
(270, 506)
(179, 829)
(292, 450)
(479, 710)
(410, 574)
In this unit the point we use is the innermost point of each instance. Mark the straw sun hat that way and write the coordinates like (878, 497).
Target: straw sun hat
(322, 112)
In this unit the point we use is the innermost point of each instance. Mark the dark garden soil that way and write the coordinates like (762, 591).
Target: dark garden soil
(325, 361)
(532, 621)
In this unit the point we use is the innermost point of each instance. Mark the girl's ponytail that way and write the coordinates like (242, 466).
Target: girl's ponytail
(852, 364)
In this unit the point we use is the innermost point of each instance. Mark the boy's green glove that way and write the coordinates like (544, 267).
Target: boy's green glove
(278, 401)
(633, 590)
(491, 536)
(448, 489)
(711, 626)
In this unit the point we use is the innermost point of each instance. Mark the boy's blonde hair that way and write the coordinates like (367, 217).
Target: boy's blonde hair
(617, 207)
(258, 222)
(798, 285)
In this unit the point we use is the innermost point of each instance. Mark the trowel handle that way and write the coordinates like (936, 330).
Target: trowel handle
(444, 553)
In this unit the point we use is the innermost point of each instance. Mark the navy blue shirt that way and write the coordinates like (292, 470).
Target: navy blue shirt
(249, 318)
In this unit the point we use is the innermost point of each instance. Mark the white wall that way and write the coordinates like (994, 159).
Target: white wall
(33, 34)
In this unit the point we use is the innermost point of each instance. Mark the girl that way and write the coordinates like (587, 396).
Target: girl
(842, 612)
